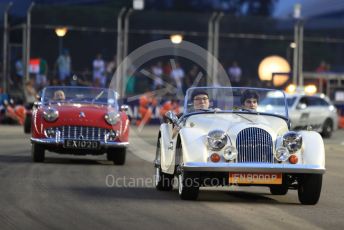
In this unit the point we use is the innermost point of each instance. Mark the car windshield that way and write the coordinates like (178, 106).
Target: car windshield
(81, 95)
(235, 99)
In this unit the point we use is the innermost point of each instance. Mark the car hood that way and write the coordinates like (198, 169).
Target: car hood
(233, 123)
(79, 114)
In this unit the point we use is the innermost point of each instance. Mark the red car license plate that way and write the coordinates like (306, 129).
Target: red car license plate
(255, 178)
(81, 144)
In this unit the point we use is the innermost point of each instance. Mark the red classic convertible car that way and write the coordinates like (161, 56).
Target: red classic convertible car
(80, 121)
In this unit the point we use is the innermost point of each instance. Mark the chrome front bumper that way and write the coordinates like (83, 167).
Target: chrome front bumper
(252, 167)
(54, 141)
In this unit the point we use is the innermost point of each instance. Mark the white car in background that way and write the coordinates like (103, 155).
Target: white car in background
(315, 112)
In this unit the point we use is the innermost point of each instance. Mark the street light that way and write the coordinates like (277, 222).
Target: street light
(274, 68)
(61, 32)
(176, 38)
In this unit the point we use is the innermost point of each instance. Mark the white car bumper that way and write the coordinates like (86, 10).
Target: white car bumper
(252, 167)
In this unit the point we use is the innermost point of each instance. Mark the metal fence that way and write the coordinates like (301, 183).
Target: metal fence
(246, 40)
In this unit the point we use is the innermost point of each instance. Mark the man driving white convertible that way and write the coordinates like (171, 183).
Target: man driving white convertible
(200, 100)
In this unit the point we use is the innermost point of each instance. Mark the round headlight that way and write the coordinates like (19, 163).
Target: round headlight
(282, 154)
(292, 141)
(217, 139)
(230, 153)
(50, 114)
(112, 118)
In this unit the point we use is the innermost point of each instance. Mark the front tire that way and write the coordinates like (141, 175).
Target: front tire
(27, 124)
(117, 155)
(309, 188)
(188, 182)
(188, 186)
(37, 153)
(327, 129)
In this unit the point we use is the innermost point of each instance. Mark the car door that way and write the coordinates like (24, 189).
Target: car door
(318, 111)
(301, 116)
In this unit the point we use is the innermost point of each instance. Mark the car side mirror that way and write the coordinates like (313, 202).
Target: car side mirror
(301, 106)
(124, 108)
(171, 116)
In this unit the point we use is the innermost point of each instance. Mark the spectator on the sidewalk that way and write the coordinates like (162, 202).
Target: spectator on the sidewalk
(99, 71)
(193, 78)
(322, 67)
(30, 92)
(19, 69)
(234, 72)
(64, 66)
(178, 74)
(146, 103)
(172, 105)
(110, 69)
(41, 76)
(157, 72)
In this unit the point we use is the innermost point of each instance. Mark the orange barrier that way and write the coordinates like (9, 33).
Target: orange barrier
(341, 122)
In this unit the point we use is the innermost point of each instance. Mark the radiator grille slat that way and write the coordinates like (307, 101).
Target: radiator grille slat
(82, 132)
(254, 145)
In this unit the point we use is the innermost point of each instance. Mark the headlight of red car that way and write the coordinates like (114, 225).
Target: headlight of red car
(50, 114)
(112, 118)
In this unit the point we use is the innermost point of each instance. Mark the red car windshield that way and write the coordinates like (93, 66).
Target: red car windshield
(85, 95)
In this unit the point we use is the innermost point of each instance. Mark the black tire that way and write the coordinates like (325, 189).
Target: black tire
(188, 182)
(27, 124)
(327, 128)
(37, 153)
(278, 189)
(117, 155)
(188, 186)
(163, 181)
(309, 188)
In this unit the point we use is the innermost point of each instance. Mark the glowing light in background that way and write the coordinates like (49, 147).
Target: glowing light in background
(274, 64)
(176, 38)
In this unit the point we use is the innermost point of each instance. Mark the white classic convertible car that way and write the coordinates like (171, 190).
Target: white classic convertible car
(225, 138)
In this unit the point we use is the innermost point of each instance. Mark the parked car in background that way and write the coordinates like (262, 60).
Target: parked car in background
(80, 121)
(228, 143)
(314, 111)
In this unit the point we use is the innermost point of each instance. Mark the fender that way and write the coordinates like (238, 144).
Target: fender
(193, 141)
(313, 148)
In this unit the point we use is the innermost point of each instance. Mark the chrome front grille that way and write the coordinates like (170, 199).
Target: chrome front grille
(82, 133)
(254, 145)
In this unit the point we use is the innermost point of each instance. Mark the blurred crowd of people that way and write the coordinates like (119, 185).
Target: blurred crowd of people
(171, 77)
(164, 75)
(99, 73)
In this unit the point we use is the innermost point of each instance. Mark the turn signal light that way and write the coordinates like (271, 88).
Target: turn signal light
(215, 157)
(293, 159)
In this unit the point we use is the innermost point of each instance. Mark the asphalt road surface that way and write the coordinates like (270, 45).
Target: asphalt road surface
(74, 192)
